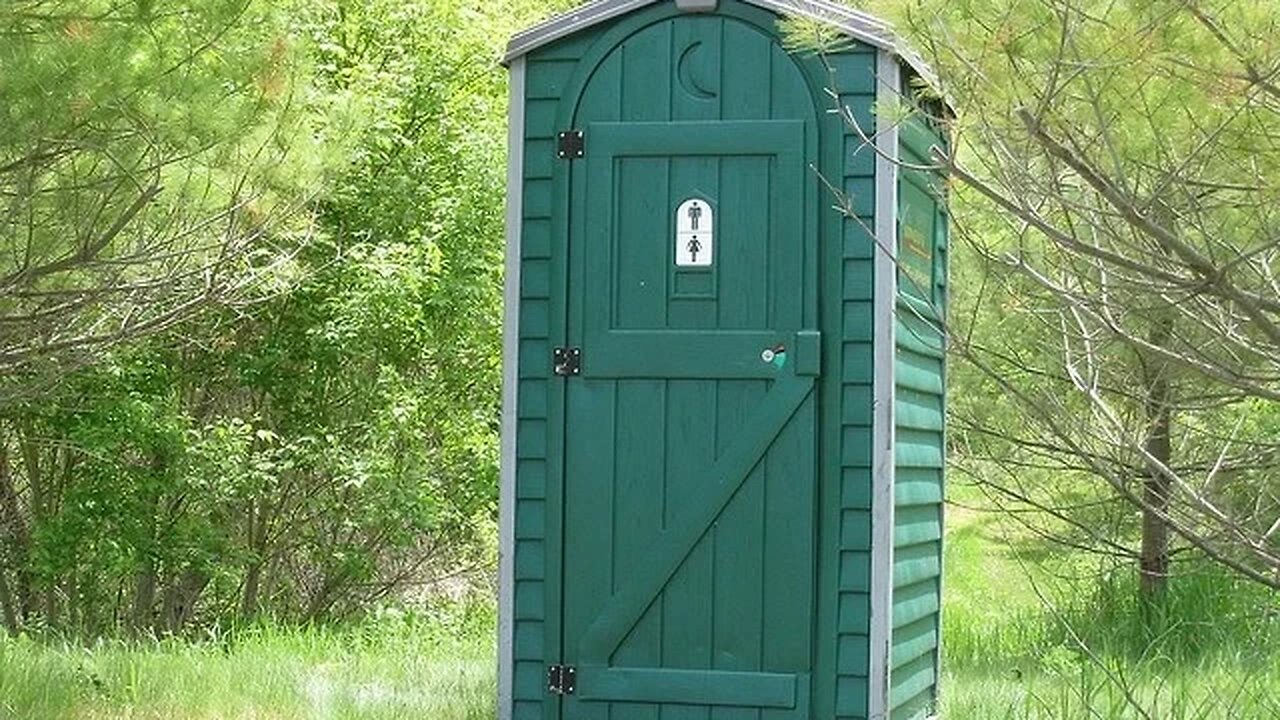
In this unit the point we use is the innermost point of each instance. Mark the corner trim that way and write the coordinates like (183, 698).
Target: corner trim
(510, 387)
(888, 83)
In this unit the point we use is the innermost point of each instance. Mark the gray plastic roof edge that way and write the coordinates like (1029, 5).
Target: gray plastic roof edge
(853, 23)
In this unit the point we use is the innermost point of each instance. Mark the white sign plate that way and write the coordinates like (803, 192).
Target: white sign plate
(695, 233)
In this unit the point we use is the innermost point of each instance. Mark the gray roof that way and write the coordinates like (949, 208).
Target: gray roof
(857, 25)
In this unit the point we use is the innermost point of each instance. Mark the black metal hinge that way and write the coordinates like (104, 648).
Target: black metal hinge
(572, 145)
(561, 679)
(566, 361)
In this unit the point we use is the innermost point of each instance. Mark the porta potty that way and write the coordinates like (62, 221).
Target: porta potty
(722, 438)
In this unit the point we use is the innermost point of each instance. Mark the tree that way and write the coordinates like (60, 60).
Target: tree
(1117, 175)
(154, 161)
(331, 444)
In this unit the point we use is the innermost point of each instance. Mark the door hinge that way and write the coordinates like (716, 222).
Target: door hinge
(572, 145)
(561, 679)
(567, 361)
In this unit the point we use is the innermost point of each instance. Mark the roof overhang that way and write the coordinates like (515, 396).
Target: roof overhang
(857, 25)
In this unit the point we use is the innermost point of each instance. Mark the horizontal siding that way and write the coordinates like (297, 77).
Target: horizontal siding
(919, 707)
(915, 524)
(920, 458)
(916, 563)
(909, 682)
(913, 641)
(855, 78)
(545, 82)
(918, 486)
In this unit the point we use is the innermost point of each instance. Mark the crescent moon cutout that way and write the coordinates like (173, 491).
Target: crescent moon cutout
(685, 73)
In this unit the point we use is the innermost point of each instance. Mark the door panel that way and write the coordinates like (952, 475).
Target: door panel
(712, 321)
(690, 459)
(686, 516)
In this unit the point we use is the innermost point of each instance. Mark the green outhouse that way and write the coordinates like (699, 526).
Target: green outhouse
(722, 441)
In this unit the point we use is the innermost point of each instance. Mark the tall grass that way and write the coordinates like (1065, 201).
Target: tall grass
(435, 664)
(1020, 643)
(1065, 640)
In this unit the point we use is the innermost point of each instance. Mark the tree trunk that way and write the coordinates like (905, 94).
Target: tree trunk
(1154, 557)
(253, 571)
(180, 597)
(144, 596)
(17, 538)
(7, 605)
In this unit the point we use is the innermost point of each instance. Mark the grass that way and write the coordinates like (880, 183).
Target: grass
(437, 666)
(1014, 639)
(1062, 638)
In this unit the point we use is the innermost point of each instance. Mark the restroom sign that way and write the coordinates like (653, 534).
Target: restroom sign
(695, 233)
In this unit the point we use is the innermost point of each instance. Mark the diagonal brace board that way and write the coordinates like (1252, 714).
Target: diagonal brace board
(652, 572)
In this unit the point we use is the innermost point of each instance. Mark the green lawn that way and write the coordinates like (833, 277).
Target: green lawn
(439, 668)
(1032, 632)
(1008, 650)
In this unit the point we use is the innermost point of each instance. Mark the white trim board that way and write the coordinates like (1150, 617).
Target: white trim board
(888, 84)
(510, 388)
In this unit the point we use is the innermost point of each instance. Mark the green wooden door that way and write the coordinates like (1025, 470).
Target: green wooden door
(690, 452)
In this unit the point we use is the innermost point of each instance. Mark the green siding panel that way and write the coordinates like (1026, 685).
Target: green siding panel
(531, 519)
(859, 238)
(852, 655)
(528, 644)
(537, 200)
(851, 697)
(531, 479)
(908, 682)
(855, 529)
(917, 524)
(548, 80)
(860, 196)
(858, 318)
(536, 241)
(855, 611)
(859, 279)
(527, 710)
(855, 571)
(917, 448)
(856, 446)
(854, 72)
(919, 442)
(919, 373)
(916, 640)
(859, 155)
(919, 707)
(910, 489)
(857, 408)
(530, 559)
(535, 279)
(535, 359)
(857, 364)
(535, 319)
(916, 563)
(545, 82)
(540, 120)
(539, 159)
(914, 602)
(530, 600)
(918, 411)
(532, 399)
(529, 679)
(531, 440)
(855, 489)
